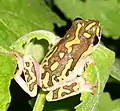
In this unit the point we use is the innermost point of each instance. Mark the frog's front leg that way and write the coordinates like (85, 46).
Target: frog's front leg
(81, 65)
(79, 68)
(29, 67)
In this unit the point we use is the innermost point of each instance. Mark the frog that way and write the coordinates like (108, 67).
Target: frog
(61, 71)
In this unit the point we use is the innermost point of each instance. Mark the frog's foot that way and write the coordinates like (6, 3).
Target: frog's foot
(29, 83)
(88, 87)
(19, 59)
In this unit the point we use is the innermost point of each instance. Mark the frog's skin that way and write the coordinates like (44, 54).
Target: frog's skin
(28, 66)
(61, 70)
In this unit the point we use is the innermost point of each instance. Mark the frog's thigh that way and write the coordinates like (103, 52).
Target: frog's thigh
(30, 74)
(29, 85)
(67, 90)
(75, 87)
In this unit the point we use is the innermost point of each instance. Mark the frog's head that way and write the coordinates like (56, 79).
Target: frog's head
(93, 28)
(89, 30)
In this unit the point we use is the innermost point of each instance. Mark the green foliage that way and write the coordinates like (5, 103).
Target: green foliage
(18, 17)
(106, 104)
(115, 71)
(19, 20)
(106, 11)
(35, 43)
(104, 59)
(7, 67)
(101, 70)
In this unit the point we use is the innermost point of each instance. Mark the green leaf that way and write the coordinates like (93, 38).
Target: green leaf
(106, 11)
(115, 70)
(7, 68)
(18, 17)
(116, 104)
(104, 59)
(105, 100)
(35, 43)
(3, 50)
(102, 56)
(106, 104)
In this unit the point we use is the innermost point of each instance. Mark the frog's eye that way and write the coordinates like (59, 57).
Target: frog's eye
(95, 40)
(78, 18)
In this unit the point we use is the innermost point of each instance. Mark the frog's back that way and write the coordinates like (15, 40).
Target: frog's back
(62, 58)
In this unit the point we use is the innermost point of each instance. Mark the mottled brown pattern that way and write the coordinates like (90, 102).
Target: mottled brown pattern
(67, 73)
(70, 87)
(50, 83)
(55, 94)
(77, 49)
(33, 69)
(55, 59)
(56, 79)
(27, 64)
(26, 72)
(29, 78)
(47, 67)
(50, 52)
(43, 75)
(64, 94)
(61, 47)
(31, 86)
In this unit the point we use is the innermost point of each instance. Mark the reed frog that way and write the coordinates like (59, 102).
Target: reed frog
(60, 73)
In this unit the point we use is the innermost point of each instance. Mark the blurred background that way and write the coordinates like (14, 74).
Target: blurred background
(18, 17)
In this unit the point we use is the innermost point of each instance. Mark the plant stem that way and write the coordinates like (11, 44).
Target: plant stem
(40, 101)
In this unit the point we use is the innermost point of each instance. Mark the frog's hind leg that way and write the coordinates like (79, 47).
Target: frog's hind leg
(30, 73)
(76, 72)
(72, 88)
(29, 85)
